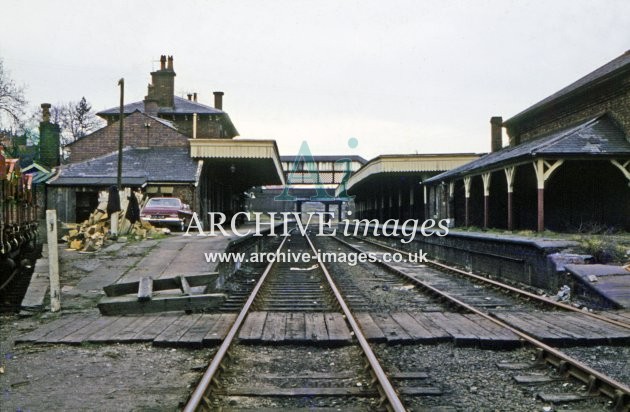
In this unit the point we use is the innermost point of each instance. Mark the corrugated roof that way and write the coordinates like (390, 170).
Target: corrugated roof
(610, 69)
(599, 136)
(157, 164)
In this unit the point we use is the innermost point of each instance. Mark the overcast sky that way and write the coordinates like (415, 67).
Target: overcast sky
(400, 76)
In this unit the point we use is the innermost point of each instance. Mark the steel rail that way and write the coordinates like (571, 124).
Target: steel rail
(509, 288)
(10, 278)
(596, 381)
(383, 380)
(197, 396)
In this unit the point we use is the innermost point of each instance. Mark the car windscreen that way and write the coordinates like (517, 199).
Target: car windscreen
(163, 203)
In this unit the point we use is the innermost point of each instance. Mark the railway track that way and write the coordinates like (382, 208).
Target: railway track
(353, 375)
(493, 294)
(458, 295)
(264, 376)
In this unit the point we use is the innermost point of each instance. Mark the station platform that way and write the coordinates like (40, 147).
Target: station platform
(610, 281)
(83, 276)
(546, 263)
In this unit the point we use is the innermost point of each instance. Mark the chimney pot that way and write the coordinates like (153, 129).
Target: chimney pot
(496, 133)
(195, 97)
(162, 62)
(190, 96)
(46, 112)
(218, 100)
(170, 63)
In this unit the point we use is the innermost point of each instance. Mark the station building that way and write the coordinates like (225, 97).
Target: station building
(566, 168)
(173, 146)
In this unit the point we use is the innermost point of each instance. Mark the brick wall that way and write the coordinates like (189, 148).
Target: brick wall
(206, 127)
(613, 98)
(135, 133)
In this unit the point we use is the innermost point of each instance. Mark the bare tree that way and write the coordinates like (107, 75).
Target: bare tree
(12, 100)
(76, 119)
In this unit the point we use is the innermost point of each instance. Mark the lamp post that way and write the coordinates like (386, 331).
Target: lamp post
(121, 83)
(114, 216)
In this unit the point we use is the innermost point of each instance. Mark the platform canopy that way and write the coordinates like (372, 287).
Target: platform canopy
(584, 159)
(422, 165)
(596, 138)
(243, 162)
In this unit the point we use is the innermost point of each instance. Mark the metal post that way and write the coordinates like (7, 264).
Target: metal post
(53, 260)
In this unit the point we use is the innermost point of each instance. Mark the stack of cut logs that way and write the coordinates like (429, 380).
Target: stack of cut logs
(90, 235)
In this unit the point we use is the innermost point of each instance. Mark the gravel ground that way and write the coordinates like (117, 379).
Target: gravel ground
(291, 366)
(93, 377)
(471, 380)
(614, 361)
(382, 291)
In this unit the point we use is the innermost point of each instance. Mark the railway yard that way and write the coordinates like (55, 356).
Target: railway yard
(307, 335)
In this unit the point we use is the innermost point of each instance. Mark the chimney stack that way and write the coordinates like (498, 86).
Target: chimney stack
(49, 143)
(496, 133)
(162, 87)
(46, 112)
(218, 100)
(189, 96)
(195, 96)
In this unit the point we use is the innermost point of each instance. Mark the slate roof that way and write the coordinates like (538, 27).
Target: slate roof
(596, 137)
(181, 106)
(611, 69)
(157, 164)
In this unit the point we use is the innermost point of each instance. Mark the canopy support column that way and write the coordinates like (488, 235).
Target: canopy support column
(543, 170)
(466, 201)
(509, 176)
(485, 177)
(451, 202)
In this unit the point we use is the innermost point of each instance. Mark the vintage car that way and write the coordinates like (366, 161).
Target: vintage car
(167, 211)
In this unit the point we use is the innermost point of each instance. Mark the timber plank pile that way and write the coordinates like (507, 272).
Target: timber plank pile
(90, 235)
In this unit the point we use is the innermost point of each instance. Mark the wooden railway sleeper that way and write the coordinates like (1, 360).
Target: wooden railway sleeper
(215, 382)
(595, 385)
(206, 402)
(592, 385)
(563, 368)
(619, 400)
